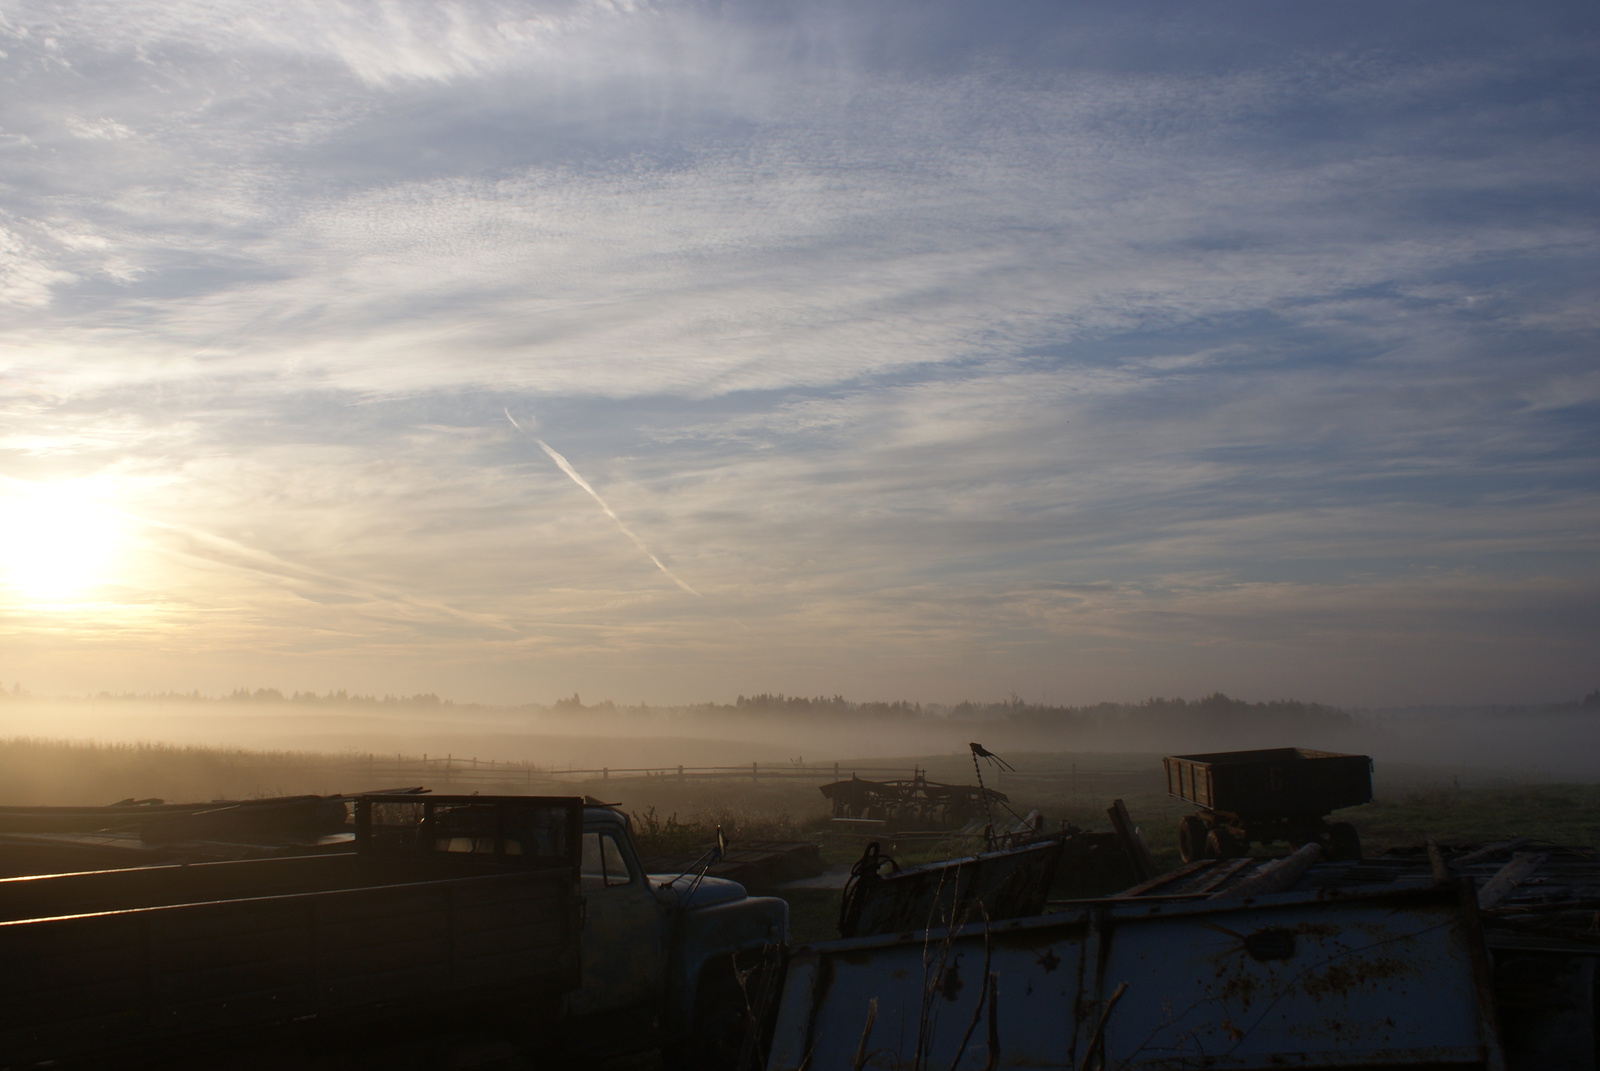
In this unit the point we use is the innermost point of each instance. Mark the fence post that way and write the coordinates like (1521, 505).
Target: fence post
(836, 771)
(754, 773)
(605, 773)
(680, 773)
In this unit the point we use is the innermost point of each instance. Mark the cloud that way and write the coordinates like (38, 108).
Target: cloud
(894, 323)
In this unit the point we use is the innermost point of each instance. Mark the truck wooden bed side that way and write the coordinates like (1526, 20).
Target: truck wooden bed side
(127, 975)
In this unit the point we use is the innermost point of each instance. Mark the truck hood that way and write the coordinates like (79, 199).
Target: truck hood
(709, 891)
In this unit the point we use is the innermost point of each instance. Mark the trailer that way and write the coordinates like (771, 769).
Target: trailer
(1268, 795)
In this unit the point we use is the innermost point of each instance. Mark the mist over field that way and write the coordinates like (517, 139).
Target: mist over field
(1548, 742)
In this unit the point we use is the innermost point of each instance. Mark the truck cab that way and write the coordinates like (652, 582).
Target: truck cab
(665, 950)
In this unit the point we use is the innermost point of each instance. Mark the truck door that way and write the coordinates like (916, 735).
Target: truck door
(624, 929)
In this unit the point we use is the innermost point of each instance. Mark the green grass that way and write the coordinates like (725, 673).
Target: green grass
(1562, 814)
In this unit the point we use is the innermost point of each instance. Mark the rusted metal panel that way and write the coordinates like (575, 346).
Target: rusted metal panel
(1382, 979)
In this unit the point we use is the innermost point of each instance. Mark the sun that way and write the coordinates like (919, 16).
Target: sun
(57, 541)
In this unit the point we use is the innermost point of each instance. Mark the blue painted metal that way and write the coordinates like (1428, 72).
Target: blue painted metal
(1365, 979)
(693, 891)
(651, 941)
(713, 930)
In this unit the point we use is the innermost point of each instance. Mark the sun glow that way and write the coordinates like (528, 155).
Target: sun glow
(56, 540)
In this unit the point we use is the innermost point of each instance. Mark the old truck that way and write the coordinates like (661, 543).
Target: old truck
(461, 929)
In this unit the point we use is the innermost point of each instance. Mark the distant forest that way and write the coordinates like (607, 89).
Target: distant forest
(1217, 707)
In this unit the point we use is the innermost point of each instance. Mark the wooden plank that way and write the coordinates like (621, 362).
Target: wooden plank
(376, 958)
(1223, 873)
(238, 1008)
(1436, 864)
(1489, 851)
(169, 970)
(1275, 877)
(1164, 879)
(1144, 864)
(54, 1030)
(1506, 880)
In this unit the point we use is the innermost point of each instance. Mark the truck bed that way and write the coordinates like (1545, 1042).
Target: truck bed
(89, 892)
(118, 962)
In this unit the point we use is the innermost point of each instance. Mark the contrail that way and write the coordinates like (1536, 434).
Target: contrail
(566, 467)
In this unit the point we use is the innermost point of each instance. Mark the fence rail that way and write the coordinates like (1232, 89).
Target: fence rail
(451, 770)
(430, 770)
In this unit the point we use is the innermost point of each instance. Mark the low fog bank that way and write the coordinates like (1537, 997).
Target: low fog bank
(1553, 742)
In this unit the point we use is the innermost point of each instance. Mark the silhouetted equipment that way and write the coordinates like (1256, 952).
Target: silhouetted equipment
(1005, 884)
(1273, 794)
(981, 752)
(911, 803)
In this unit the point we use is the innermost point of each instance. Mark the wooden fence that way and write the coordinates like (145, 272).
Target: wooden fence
(385, 771)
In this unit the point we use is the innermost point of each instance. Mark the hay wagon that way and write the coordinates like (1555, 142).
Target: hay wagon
(1263, 796)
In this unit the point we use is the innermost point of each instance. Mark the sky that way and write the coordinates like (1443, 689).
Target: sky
(921, 350)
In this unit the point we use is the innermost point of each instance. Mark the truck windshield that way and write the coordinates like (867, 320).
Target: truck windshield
(530, 830)
(603, 863)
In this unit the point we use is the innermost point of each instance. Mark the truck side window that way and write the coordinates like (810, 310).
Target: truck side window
(603, 862)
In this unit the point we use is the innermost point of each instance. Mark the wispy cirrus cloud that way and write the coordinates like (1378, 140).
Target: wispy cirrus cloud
(864, 313)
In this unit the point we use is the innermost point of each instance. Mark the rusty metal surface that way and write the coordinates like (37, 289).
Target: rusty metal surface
(1380, 979)
(1005, 884)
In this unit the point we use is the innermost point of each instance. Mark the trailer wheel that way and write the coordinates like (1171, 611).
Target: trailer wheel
(1225, 843)
(1192, 838)
(1343, 841)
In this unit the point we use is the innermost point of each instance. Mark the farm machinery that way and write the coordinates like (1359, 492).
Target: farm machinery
(1276, 794)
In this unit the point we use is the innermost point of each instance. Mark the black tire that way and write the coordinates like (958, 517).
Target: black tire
(1192, 838)
(1225, 843)
(1343, 842)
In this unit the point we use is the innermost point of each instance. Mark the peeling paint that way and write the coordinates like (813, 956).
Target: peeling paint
(1384, 979)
